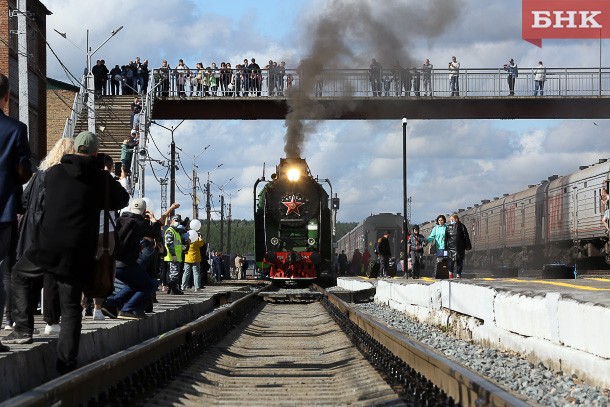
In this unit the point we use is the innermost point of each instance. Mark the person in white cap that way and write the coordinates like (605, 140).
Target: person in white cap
(131, 227)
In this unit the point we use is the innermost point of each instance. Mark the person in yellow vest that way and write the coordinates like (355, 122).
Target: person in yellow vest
(192, 265)
(174, 256)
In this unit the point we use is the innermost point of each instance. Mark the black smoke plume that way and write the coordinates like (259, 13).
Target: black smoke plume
(348, 35)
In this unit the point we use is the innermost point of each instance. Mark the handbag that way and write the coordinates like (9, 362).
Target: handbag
(100, 282)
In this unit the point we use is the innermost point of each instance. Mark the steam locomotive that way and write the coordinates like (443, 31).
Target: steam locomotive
(292, 224)
(558, 221)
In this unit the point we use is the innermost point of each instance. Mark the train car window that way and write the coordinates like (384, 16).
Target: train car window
(565, 190)
(585, 184)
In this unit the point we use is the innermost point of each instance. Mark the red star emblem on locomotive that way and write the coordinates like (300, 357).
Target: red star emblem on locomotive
(292, 205)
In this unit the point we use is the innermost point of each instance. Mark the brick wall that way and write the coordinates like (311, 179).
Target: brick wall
(59, 106)
(37, 69)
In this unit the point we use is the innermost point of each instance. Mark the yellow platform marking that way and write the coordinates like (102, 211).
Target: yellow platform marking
(559, 284)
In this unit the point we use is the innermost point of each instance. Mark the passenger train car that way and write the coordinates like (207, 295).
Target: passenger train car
(558, 221)
(364, 236)
(292, 224)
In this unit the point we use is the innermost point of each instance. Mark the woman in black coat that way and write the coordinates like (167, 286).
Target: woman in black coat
(457, 241)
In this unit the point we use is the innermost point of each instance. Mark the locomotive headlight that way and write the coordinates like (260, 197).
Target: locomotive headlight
(293, 174)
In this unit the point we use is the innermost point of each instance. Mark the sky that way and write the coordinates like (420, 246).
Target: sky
(451, 163)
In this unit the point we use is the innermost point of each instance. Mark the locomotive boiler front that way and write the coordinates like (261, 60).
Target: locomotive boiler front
(292, 221)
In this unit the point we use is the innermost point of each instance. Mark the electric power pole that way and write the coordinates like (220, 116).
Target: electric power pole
(229, 229)
(208, 209)
(222, 220)
(172, 171)
(195, 200)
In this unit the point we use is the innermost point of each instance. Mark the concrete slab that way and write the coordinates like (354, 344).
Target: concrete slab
(560, 323)
(27, 366)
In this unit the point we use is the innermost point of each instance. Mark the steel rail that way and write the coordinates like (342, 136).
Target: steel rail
(462, 384)
(88, 382)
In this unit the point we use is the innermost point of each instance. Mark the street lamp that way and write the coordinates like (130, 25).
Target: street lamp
(90, 86)
(405, 225)
(172, 164)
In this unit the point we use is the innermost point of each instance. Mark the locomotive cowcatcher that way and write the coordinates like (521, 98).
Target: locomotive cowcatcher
(292, 224)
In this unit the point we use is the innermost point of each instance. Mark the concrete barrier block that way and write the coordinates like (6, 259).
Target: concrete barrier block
(590, 334)
(473, 300)
(528, 316)
(353, 284)
(412, 294)
(384, 292)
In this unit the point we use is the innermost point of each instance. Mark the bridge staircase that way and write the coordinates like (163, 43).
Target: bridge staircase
(112, 117)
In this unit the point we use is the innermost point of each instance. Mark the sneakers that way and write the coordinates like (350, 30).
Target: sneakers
(109, 311)
(9, 326)
(98, 315)
(131, 315)
(17, 337)
(450, 275)
(52, 329)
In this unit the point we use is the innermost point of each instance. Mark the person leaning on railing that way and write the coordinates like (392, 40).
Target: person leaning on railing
(539, 79)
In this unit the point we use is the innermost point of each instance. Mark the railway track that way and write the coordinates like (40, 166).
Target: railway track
(261, 353)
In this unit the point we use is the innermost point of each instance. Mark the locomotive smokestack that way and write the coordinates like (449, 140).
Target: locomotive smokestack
(349, 35)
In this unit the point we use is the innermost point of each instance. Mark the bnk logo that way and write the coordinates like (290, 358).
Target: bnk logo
(564, 19)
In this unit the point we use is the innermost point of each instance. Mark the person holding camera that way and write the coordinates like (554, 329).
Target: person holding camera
(454, 74)
(511, 68)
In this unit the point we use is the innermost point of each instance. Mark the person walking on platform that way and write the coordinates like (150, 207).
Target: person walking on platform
(513, 73)
(539, 79)
(342, 263)
(438, 236)
(415, 248)
(457, 241)
(173, 258)
(15, 170)
(76, 191)
(356, 263)
(384, 252)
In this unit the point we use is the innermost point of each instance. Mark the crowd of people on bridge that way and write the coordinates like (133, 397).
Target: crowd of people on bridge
(248, 78)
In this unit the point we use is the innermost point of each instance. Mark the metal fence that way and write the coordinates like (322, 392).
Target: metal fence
(476, 82)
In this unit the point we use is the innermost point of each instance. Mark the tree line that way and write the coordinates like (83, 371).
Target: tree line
(242, 234)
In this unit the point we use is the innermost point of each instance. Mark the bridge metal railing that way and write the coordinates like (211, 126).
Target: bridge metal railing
(77, 108)
(473, 82)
